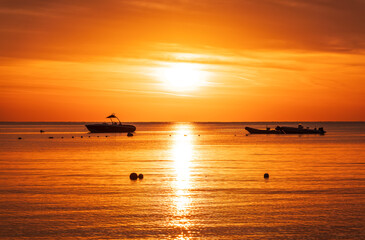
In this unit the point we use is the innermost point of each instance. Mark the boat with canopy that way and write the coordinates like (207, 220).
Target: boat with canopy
(114, 126)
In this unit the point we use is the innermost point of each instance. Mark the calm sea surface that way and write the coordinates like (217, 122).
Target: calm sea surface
(201, 181)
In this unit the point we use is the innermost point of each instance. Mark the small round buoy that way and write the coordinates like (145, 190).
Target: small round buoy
(89, 136)
(140, 176)
(50, 137)
(19, 138)
(82, 136)
(266, 175)
(41, 131)
(133, 176)
(61, 137)
(73, 137)
(106, 136)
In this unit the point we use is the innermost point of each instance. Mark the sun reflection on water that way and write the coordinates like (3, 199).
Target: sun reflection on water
(182, 154)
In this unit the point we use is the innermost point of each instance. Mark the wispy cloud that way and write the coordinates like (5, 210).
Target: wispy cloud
(68, 29)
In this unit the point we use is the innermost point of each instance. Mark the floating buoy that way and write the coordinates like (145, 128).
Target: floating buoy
(140, 176)
(50, 137)
(266, 175)
(41, 131)
(82, 136)
(199, 135)
(98, 136)
(19, 138)
(61, 137)
(89, 136)
(133, 176)
(130, 134)
(106, 136)
(73, 137)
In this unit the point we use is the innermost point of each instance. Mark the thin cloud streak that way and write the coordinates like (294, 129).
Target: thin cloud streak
(149, 92)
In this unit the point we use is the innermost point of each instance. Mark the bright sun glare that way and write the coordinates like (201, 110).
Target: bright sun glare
(182, 77)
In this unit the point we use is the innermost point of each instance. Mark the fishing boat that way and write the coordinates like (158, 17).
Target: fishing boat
(113, 127)
(300, 130)
(286, 130)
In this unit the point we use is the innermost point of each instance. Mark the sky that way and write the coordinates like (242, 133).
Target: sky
(182, 60)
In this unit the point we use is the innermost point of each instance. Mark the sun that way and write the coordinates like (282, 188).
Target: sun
(182, 77)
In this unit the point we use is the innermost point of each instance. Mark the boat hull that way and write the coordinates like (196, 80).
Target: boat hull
(286, 130)
(259, 131)
(104, 128)
(293, 130)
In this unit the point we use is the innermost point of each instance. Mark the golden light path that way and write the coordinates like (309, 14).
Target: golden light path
(182, 77)
(182, 153)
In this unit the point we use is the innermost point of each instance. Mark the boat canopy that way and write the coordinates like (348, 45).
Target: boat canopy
(112, 116)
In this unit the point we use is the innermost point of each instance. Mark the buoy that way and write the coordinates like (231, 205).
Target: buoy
(89, 136)
(106, 136)
(98, 136)
(266, 175)
(19, 138)
(50, 137)
(41, 131)
(199, 135)
(73, 137)
(61, 137)
(130, 134)
(140, 176)
(133, 176)
(82, 136)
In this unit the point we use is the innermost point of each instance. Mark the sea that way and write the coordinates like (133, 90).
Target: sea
(200, 181)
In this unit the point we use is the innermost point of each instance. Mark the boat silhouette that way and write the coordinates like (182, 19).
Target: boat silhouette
(300, 130)
(262, 131)
(116, 127)
(286, 130)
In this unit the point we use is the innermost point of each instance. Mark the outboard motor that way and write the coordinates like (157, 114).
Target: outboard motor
(321, 131)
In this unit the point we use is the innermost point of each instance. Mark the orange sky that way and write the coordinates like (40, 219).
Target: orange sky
(183, 60)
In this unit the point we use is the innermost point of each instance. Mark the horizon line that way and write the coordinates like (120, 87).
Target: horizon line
(268, 121)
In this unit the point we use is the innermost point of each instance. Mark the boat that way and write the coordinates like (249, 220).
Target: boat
(113, 127)
(287, 130)
(261, 131)
(300, 130)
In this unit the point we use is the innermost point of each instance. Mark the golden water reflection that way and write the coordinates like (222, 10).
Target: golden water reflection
(182, 155)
